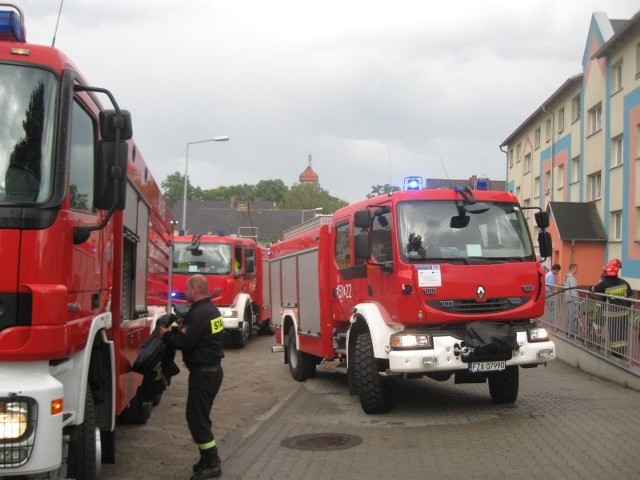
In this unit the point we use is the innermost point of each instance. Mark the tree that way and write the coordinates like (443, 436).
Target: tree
(274, 190)
(173, 189)
(382, 189)
(308, 196)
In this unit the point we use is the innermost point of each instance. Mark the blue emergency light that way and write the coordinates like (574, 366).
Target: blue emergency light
(11, 28)
(482, 184)
(412, 183)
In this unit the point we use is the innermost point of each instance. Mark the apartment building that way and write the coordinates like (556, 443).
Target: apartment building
(578, 156)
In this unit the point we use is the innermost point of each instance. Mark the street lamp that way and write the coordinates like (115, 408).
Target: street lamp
(318, 209)
(186, 176)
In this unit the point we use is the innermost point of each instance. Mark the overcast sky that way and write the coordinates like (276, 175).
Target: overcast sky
(373, 90)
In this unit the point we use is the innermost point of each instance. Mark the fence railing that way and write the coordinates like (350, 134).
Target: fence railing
(597, 323)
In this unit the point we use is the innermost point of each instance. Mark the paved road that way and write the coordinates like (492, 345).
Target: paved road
(565, 425)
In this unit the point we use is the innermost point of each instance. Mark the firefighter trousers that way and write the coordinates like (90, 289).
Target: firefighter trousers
(203, 388)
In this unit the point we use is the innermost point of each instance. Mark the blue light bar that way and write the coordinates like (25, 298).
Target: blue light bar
(412, 183)
(482, 184)
(11, 28)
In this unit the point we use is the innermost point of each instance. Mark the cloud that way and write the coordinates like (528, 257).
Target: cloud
(374, 90)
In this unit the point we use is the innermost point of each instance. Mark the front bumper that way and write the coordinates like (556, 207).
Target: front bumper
(443, 357)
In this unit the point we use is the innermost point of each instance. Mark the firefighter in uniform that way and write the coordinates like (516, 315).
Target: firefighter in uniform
(616, 310)
(200, 337)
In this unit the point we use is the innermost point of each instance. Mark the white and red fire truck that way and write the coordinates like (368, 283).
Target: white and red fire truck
(425, 282)
(233, 266)
(85, 241)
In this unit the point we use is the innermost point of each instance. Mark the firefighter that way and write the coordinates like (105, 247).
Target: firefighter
(616, 312)
(200, 338)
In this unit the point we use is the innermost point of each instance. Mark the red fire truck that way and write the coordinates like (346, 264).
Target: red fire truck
(436, 283)
(85, 241)
(233, 266)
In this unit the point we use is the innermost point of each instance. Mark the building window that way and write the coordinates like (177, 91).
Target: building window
(559, 177)
(525, 207)
(537, 138)
(536, 187)
(518, 149)
(527, 163)
(547, 183)
(594, 182)
(511, 158)
(575, 169)
(616, 226)
(547, 130)
(637, 59)
(575, 109)
(595, 119)
(616, 80)
(617, 157)
(561, 120)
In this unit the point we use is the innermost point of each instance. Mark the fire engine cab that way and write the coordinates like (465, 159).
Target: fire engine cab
(422, 282)
(85, 239)
(233, 266)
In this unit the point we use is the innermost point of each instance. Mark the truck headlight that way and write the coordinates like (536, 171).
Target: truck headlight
(538, 335)
(14, 419)
(228, 312)
(407, 340)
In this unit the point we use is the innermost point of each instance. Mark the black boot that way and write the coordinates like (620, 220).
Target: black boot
(210, 466)
(198, 466)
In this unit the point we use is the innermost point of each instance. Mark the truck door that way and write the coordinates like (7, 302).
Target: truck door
(349, 276)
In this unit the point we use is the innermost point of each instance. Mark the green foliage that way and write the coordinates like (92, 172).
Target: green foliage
(173, 189)
(301, 196)
(382, 189)
(307, 196)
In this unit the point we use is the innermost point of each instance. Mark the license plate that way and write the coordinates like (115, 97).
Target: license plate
(487, 366)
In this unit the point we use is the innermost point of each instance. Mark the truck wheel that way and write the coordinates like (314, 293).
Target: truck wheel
(301, 365)
(85, 453)
(241, 336)
(373, 390)
(503, 386)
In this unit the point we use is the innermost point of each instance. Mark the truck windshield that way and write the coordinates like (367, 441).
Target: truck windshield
(27, 102)
(208, 258)
(425, 232)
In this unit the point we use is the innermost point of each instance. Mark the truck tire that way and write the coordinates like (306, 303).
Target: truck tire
(83, 461)
(374, 392)
(241, 336)
(301, 365)
(503, 386)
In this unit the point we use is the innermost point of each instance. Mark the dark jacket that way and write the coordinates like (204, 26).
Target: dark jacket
(201, 342)
(617, 287)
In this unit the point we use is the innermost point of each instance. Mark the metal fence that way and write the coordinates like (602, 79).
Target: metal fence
(597, 323)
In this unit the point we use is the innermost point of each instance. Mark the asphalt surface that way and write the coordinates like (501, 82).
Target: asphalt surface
(566, 424)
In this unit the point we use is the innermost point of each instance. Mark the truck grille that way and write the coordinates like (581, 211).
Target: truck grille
(471, 306)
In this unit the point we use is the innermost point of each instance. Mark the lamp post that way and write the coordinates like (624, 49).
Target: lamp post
(186, 176)
(318, 209)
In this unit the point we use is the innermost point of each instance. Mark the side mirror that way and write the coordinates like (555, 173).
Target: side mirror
(111, 122)
(362, 246)
(112, 165)
(545, 244)
(362, 219)
(542, 219)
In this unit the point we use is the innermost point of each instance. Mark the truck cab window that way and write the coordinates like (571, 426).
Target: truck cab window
(81, 172)
(27, 100)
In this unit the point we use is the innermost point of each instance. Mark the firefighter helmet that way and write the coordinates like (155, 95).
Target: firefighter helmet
(611, 268)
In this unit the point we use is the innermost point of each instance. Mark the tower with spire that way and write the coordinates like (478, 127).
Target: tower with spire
(308, 175)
